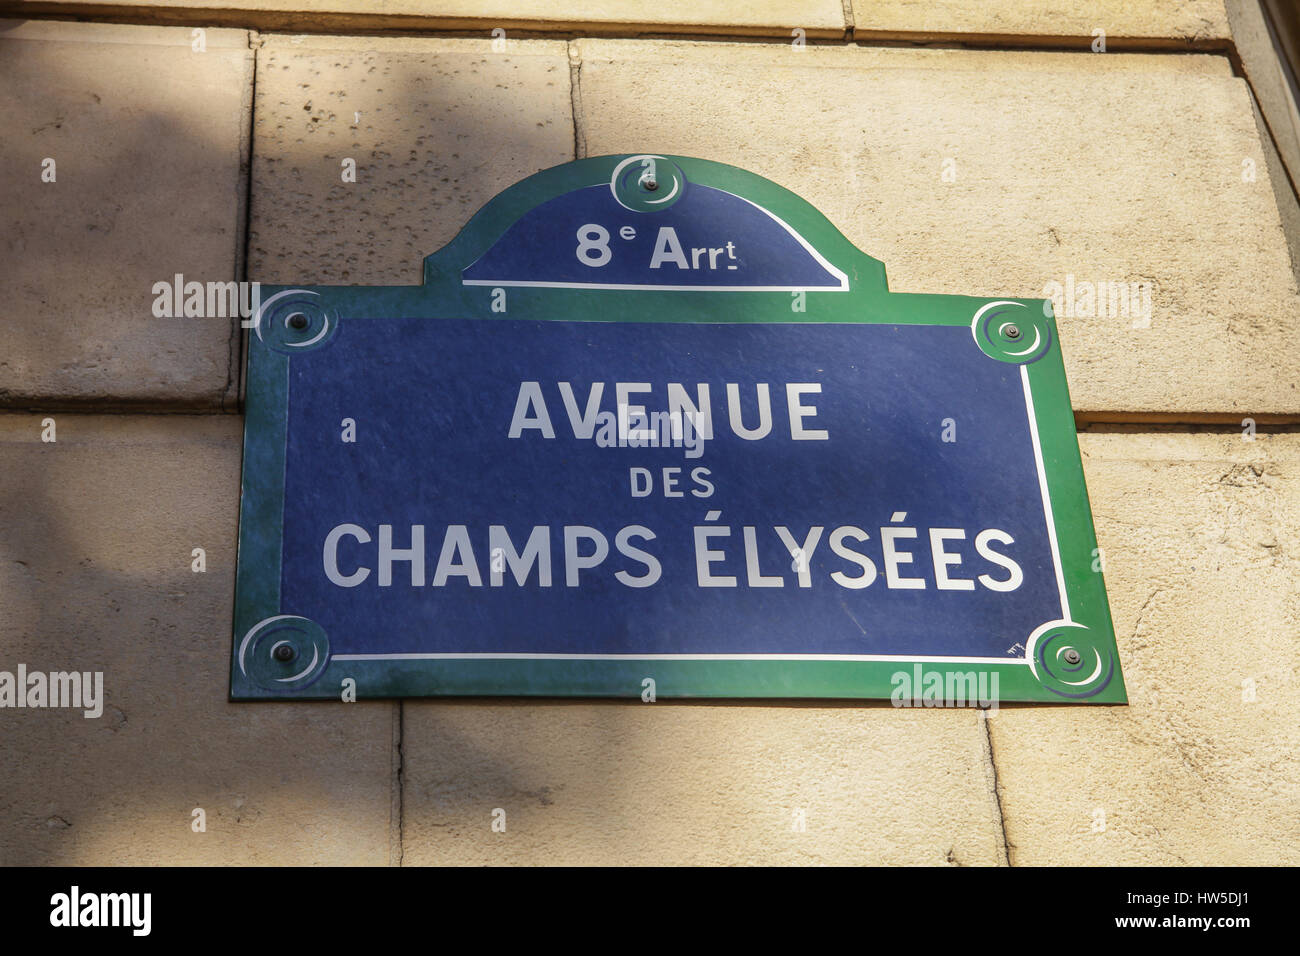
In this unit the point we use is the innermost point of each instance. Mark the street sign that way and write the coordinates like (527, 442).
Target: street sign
(652, 427)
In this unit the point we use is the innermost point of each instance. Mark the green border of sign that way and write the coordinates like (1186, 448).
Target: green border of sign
(1069, 660)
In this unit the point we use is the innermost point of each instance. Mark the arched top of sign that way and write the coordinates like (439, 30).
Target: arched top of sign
(654, 223)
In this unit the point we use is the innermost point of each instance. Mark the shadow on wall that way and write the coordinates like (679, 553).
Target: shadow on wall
(435, 130)
(97, 532)
(122, 168)
(96, 569)
(97, 529)
(96, 573)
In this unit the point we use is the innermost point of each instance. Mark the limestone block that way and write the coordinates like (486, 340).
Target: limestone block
(1199, 534)
(123, 154)
(435, 128)
(1108, 181)
(96, 574)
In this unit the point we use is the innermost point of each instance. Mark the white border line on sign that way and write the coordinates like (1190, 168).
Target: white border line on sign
(1056, 560)
(1047, 500)
(653, 288)
(671, 657)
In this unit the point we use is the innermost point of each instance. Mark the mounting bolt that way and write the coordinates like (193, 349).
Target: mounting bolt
(298, 321)
(284, 653)
(1013, 331)
(1072, 657)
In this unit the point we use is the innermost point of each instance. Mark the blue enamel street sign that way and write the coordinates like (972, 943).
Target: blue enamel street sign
(653, 427)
